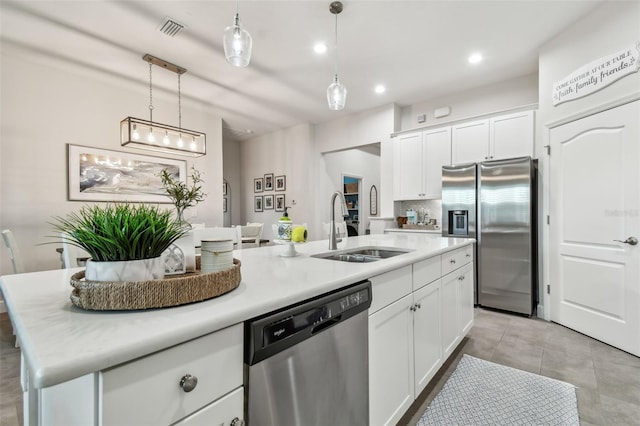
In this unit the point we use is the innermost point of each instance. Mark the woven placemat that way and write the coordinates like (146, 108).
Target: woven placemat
(133, 295)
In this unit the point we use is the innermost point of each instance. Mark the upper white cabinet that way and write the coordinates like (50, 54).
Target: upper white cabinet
(505, 136)
(470, 142)
(418, 161)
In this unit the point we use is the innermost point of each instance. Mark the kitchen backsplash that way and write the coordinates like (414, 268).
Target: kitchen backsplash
(432, 208)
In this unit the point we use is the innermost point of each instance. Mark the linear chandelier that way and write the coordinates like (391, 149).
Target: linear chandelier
(154, 136)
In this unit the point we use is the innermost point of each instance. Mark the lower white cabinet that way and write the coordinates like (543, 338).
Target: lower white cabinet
(418, 320)
(196, 382)
(391, 378)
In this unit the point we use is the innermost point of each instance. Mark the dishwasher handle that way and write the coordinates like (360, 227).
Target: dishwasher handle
(326, 324)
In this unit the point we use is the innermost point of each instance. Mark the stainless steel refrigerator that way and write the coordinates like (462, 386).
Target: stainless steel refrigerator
(495, 203)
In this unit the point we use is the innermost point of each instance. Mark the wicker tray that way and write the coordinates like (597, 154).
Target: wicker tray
(173, 291)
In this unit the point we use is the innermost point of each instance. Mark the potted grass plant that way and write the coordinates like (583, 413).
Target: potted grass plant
(125, 241)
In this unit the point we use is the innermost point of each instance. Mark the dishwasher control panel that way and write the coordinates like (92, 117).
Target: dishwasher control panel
(272, 332)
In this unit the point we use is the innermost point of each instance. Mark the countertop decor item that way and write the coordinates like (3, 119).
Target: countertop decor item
(181, 194)
(120, 232)
(154, 136)
(134, 295)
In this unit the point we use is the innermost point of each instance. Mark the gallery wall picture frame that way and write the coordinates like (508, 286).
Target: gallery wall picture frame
(224, 205)
(257, 185)
(268, 202)
(281, 183)
(257, 203)
(268, 182)
(224, 188)
(279, 206)
(96, 174)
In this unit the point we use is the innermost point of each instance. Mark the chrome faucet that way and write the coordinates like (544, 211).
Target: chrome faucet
(333, 241)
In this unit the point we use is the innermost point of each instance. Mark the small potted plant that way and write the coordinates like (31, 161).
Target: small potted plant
(182, 195)
(125, 241)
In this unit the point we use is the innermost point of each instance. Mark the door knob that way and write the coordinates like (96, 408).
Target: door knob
(632, 241)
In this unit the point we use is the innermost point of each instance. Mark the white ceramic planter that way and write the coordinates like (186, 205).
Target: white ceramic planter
(126, 270)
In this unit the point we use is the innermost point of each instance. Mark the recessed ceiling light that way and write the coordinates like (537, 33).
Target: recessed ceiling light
(475, 58)
(380, 88)
(320, 48)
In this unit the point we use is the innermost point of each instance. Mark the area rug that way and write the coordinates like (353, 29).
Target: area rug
(480, 392)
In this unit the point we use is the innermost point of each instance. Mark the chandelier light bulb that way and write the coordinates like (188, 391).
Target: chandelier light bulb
(180, 142)
(336, 95)
(151, 137)
(237, 44)
(193, 145)
(135, 135)
(166, 140)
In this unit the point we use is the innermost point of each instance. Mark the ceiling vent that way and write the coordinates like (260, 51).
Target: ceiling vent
(170, 27)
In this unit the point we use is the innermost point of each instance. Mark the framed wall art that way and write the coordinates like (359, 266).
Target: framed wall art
(268, 182)
(257, 185)
(257, 203)
(373, 201)
(268, 202)
(97, 174)
(224, 205)
(281, 183)
(224, 188)
(280, 202)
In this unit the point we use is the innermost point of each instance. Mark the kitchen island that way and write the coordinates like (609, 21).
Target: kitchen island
(66, 349)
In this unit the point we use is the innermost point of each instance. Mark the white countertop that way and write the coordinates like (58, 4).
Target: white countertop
(61, 342)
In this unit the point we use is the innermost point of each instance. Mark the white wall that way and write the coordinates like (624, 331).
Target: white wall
(606, 30)
(47, 104)
(354, 162)
(470, 103)
(286, 152)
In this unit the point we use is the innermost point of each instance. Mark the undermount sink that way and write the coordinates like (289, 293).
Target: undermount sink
(362, 254)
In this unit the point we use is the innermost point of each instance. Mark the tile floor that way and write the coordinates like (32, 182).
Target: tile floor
(608, 379)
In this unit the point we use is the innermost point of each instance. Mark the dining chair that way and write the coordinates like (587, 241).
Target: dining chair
(72, 256)
(250, 235)
(215, 233)
(14, 253)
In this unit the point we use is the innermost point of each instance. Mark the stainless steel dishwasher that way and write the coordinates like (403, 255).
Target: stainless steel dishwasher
(308, 364)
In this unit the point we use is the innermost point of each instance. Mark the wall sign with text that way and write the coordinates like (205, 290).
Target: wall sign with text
(597, 75)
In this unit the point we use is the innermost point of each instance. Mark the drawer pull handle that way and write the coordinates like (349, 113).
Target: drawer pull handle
(236, 422)
(188, 382)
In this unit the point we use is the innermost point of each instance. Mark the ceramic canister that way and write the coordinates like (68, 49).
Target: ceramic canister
(216, 255)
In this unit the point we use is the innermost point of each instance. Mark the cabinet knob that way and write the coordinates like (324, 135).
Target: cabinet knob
(418, 305)
(452, 261)
(468, 255)
(188, 382)
(412, 308)
(236, 422)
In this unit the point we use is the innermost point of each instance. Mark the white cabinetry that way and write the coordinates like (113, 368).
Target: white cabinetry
(505, 136)
(419, 158)
(406, 322)
(199, 381)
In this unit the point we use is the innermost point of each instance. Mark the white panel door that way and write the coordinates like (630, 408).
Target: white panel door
(595, 200)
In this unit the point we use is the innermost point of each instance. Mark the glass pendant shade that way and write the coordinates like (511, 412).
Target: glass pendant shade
(162, 138)
(237, 44)
(336, 95)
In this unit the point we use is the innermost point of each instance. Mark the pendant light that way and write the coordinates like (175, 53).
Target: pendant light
(162, 137)
(237, 43)
(336, 92)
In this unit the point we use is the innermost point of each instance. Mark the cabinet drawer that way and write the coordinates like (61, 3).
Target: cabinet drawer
(426, 271)
(454, 259)
(220, 413)
(147, 391)
(389, 287)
